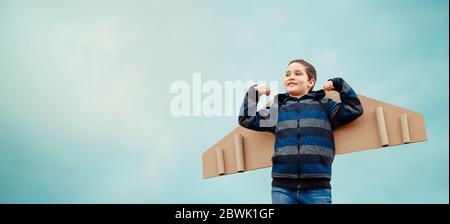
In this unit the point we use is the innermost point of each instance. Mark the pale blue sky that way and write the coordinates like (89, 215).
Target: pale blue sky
(84, 94)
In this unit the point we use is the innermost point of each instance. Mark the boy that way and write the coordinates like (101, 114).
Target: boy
(302, 121)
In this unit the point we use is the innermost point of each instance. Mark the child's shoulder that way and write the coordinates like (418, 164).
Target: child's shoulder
(280, 98)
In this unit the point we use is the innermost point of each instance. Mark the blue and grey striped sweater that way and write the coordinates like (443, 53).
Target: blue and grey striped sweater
(304, 143)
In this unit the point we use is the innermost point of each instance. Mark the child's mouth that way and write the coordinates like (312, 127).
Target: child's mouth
(291, 84)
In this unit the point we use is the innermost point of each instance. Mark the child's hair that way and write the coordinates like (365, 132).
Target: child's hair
(310, 70)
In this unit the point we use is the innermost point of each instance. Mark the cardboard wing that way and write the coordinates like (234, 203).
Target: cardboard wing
(381, 125)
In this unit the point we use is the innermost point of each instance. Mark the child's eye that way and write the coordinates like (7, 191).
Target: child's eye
(298, 73)
(286, 74)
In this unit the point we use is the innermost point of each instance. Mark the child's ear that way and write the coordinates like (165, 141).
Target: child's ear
(311, 83)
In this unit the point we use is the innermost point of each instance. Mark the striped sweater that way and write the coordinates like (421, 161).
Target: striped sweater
(304, 143)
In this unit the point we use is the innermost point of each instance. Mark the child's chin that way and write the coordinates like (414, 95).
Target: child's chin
(292, 91)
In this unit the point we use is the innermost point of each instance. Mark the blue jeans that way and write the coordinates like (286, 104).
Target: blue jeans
(281, 195)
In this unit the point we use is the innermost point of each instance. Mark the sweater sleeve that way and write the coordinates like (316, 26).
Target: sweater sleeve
(255, 120)
(348, 109)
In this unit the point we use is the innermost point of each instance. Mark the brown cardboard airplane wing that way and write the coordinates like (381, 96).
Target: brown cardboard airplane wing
(381, 125)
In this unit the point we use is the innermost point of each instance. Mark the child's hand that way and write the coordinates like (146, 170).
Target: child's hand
(328, 86)
(263, 90)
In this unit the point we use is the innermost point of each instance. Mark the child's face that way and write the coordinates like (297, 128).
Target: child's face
(296, 81)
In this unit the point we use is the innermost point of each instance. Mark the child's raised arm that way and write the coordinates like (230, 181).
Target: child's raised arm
(252, 119)
(350, 106)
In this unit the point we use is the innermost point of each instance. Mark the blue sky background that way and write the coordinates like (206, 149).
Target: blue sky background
(84, 94)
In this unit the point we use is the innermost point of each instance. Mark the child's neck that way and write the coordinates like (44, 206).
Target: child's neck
(298, 96)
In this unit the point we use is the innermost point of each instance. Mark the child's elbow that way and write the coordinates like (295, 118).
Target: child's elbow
(355, 114)
(358, 112)
(242, 121)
